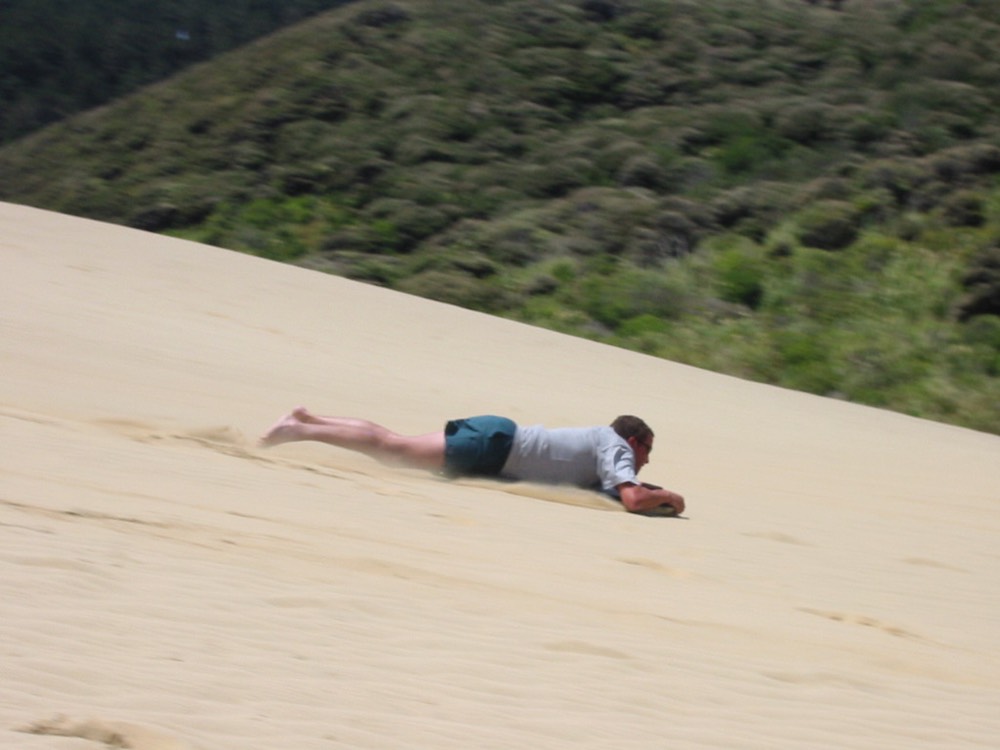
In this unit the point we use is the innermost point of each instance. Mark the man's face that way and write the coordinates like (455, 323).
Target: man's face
(642, 447)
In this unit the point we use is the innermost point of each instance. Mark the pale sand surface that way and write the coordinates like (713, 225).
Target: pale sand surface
(167, 585)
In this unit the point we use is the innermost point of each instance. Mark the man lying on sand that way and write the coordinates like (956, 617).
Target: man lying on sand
(604, 458)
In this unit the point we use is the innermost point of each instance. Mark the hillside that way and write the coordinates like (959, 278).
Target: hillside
(58, 58)
(797, 193)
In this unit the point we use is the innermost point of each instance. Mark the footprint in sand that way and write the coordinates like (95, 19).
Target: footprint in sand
(820, 679)
(643, 562)
(221, 434)
(777, 536)
(116, 734)
(216, 436)
(928, 563)
(868, 622)
(223, 439)
(588, 649)
(131, 428)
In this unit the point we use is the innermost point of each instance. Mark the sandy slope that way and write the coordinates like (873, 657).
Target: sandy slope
(166, 585)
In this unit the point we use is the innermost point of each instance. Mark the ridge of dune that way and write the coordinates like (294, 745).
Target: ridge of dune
(168, 584)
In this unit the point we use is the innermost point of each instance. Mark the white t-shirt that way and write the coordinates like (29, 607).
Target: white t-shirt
(591, 457)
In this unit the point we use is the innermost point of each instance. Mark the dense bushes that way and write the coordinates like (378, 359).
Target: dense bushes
(982, 286)
(829, 225)
(59, 58)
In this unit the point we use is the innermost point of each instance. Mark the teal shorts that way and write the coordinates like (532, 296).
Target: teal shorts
(477, 446)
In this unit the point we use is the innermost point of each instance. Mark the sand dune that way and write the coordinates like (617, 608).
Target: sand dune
(168, 585)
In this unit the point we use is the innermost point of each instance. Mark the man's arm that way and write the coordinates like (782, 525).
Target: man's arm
(639, 497)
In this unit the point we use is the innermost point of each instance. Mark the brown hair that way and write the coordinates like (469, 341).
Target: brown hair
(628, 426)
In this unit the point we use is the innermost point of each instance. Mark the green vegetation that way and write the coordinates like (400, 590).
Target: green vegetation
(800, 193)
(59, 57)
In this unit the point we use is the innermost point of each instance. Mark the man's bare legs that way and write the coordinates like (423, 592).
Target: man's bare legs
(417, 451)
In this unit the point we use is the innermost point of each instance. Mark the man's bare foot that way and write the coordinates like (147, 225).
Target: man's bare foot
(285, 430)
(302, 414)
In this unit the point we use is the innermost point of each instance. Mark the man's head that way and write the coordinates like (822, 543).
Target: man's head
(638, 435)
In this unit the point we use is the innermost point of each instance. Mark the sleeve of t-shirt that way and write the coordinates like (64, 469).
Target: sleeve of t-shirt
(615, 463)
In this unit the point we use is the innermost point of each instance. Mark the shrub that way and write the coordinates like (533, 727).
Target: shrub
(405, 223)
(163, 215)
(963, 209)
(416, 149)
(383, 271)
(648, 85)
(829, 225)
(602, 10)
(805, 364)
(865, 128)
(282, 246)
(646, 23)
(357, 238)
(981, 335)
(541, 285)
(947, 102)
(476, 265)
(734, 205)
(930, 195)
(741, 271)
(982, 286)
(984, 330)
(499, 141)
(564, 271)
(648, 247)
(642, 325)
(741, 154)
(382, 15)
(901, 177)
(630, 293)
(806, 123)
(671, 233)
(548, 26)
(457, 288)
(642, 170)
(512, 243)
(960, 163)
(874, 365)
(552, 180)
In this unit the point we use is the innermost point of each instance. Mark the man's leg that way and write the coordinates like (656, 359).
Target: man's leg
(418, 451)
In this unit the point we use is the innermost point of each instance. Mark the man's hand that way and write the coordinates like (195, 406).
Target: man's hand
(638, 497)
